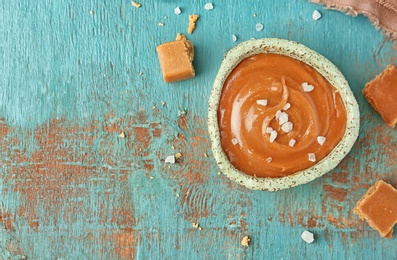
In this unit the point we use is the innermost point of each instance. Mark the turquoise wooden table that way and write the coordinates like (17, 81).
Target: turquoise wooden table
(76, 74)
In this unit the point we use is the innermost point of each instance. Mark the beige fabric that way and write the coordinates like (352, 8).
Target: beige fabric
(383, 13)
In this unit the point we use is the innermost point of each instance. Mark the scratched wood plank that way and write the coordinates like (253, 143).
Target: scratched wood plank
(71, 188)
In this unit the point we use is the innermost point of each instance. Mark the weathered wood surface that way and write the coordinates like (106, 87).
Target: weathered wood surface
(71, 188)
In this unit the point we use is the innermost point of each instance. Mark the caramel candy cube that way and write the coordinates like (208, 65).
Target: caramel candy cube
(379, 208)
(176, 59)
(381, 93)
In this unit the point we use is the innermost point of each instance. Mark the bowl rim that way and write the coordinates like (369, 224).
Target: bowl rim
(326, 68)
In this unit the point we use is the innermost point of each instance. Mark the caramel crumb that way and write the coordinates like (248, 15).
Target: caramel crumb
(122, 135)
(192, 23)
(205, 155)
(195, 225)
(178, 155)
(180, 37)
(91, 12)
(245, 241)
(135, 4)
(161, 24)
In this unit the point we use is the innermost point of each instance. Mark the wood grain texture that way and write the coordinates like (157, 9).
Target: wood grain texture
(71, 188)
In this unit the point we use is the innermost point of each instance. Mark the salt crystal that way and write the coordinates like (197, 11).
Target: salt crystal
(307, 236)
(170, 159)
(283, 118)
(278, 114)
(234, 141)
(316, 15)
(307, 87)
(262, 102)
(286, 106)
(269, 159)
(269, 130)
(208, 6)
(312, 157)
(321, 139)
(177, 10)
(292, 142)
(234, 38)
(273, 136)
(287, 127)
(259, 27)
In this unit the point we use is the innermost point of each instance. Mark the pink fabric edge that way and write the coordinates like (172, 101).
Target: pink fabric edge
(351, 11)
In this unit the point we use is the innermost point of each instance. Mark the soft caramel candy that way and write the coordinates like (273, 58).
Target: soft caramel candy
(176, 59)
(379, 208)
(381, 93)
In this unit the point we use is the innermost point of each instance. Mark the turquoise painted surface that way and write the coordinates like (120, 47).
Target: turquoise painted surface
(71, 188)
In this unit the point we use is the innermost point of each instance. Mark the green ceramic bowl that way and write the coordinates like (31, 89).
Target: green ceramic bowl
(328, 70)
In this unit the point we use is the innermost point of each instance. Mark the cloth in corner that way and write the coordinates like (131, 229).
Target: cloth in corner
(382, 13)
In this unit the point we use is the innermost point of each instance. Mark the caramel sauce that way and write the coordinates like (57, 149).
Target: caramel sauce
(244, 119)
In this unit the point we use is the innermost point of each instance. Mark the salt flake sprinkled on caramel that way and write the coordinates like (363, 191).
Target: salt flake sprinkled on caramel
(234, 141)
(283, 118)
(273, 136)
(262, 102)
(292, 142)
(307, 87)
(286, 106)
(278, 114)
(321, 139)
(269, 130)
(312, 157)
(287, 127)
(269, 159)
(177, 11)
(208, 6)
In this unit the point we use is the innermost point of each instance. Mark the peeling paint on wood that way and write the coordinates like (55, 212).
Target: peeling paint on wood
(76, 74)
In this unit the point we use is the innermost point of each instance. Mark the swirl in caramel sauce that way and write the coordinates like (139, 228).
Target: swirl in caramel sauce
(245, 120)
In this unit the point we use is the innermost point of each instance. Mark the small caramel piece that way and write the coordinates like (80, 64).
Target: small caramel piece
(176, 59)
(381, 93)
(135, 4)
(245, 241)
(192, 23)
(379, 208)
